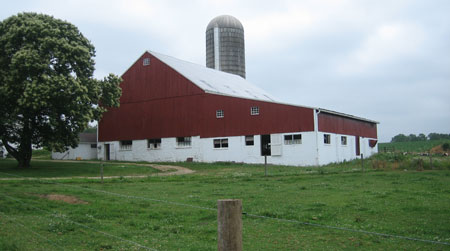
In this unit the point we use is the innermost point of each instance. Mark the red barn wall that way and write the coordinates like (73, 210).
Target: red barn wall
(337, 124)
(155, 81)
(272, 118)
(158, 102)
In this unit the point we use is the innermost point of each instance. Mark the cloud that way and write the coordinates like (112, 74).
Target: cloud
(384, 60)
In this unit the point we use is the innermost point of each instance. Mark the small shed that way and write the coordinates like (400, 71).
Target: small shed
(86, 149)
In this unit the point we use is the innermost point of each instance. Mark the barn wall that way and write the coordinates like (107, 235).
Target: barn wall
(343, 125)
(196, 115)
(237, 120)
(203, 150)
(83, 151)
(336, 152)
(154, 81)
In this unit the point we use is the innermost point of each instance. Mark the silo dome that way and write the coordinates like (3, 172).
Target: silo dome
(225, 21)
(225, 47)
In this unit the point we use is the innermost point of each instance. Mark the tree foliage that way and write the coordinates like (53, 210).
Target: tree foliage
(420, 137)
(47, 90)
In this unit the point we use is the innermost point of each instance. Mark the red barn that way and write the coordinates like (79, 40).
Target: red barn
(173, 110)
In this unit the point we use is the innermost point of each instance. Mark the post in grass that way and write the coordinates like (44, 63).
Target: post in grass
(229, 225)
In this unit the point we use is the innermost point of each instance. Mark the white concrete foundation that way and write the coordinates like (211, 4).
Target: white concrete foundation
(311, 151)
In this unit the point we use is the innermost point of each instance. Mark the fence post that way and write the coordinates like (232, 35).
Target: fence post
(362, 162)
(265, 165)
(229, 221)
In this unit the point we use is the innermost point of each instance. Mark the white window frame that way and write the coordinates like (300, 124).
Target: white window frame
(327, 139)
(248, 139)
(126, 147)
(220, 114)
(220, 143)
(146, 61)
(154, 144)
(185, 143)
(292, 139)
(254, 110)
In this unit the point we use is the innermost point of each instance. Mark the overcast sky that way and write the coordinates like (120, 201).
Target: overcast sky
(385, 60)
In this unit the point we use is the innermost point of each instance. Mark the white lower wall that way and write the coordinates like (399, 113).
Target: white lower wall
(83, 152)
(202, 150)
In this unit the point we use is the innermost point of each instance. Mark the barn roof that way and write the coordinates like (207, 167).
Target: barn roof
(88, 137)
(223, 83)
(214, 81)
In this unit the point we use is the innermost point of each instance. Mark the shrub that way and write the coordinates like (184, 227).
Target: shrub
(445, 146)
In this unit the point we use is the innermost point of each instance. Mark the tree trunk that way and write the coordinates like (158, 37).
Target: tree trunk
(24, 156)
(24, 151)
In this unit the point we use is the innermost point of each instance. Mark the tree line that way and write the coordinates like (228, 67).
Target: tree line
(419, 137)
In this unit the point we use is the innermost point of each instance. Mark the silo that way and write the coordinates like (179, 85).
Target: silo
(225, 50)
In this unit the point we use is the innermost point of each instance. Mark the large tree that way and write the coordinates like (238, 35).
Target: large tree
(47, 91)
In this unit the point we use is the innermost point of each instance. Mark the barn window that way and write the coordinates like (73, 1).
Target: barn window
(343, 140)
(126, 145)
(219, 114)
(93, 145)
(254, 110)
(146, 61)
(326, 139)
(221, 143)
(291, 139)
(249, 140)
(183, 141)
(154, 143)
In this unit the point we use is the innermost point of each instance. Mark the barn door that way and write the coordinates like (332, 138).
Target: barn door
(265, 145)
(358, 150)
(275, 145)
(107, 152)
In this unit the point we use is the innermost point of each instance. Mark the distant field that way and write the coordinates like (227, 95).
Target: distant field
(416, 146)
(178, 212)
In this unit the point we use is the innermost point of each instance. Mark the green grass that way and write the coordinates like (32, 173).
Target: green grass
(48, 169)
(386, 200)
(42, 154)
(416, 146)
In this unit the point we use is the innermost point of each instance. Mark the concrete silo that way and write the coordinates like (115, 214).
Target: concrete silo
(225, 48)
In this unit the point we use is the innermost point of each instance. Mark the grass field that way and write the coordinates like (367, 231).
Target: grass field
(178, 212)
(415, 146)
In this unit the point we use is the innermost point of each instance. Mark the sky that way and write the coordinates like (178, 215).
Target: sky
(383, 60)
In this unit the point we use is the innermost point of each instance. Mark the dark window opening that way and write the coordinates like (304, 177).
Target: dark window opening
(291, 139)
(343, 140)
(326, 139)
(249, 140)
(183, 141)
(154, 143)
(221, 143)
(126, 144)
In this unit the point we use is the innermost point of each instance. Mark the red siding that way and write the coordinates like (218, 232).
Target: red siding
(196, 116)
(272, 118)
(158, 102)
(155, 81)
(343, 125)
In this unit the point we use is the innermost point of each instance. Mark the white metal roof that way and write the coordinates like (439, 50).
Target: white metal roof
(223, 83)
(214, 81)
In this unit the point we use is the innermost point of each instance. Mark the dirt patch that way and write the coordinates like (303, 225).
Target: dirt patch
(61, 197)
(438, 150)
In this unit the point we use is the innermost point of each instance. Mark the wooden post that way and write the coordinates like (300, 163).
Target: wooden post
(229, 221)
(362, 162)
(265, 165)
